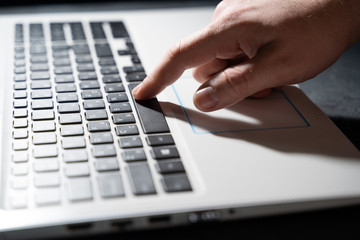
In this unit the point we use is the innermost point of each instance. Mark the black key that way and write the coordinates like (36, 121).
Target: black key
(165, 152)
(111, 79)
(176, 183)
(91, 94)
(77, 31)
(123, 118)
(101, 137)
(40, 76)
(134, 155)
(37, 49)
(103, 50)
(88, 76)
(96, 115)
(98, 126)
(61, 54)
(57, 32)
(39, 59)
(62, 62)
(151, 116)
(83, 59)
(81, 49)
(158, 140)
(39, 67)
(116, 87)
(65, 87)
(94, 104)
(107, 62)
(97, 30)
(141, 179)
(66, 78)
(170, 166)
(133, 69)
(69, 108)
(118, 30)
(135, 77)
(109, 70)
(60, 47)
(117, 97)
(120, 107)
(124, 52)
(89, 67)
(126, 130)
(130, 142)
(63, 70)
(92, 84)
(67, 97)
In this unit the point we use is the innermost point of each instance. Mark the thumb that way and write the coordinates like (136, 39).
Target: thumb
(233, 84)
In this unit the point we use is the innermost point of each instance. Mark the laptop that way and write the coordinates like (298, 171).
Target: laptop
(81, 156)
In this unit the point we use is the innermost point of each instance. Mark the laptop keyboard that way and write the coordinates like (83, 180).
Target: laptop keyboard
(75, 124)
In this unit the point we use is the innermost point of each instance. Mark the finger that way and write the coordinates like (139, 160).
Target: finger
(193, 51)
(209, 70)
(261, 94)
(265, 70)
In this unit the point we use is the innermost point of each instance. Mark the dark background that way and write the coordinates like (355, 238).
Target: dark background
(337, 92)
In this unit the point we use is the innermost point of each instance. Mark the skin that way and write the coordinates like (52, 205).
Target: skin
(252, 46)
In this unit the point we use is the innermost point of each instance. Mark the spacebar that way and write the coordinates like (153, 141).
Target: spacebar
(150, 114)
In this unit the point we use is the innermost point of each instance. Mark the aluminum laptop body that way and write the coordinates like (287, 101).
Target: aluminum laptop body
(262, 156)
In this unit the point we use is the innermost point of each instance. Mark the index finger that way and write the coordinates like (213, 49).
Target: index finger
(193, 51)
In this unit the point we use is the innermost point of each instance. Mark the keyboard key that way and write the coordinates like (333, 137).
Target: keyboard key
(20, 169)
(83, 59)
(79, 189)
(170, 166)
(39, 67)
(110, 185)
(111, 79)
(43, 126)
(65, 87)
(110, 88)
(106, 164)
(45, 151)
(73, 142)
(46, 180)
(20, 123)
(91, 94)
(89, 67)
(81, 49)
(39, 59)
(109, 70)
(118, 30)
(117, 97)
(158, 140)
(176, 183)
(98, 126)
(20, 145)
(20, 94)
(19, 182)
(97, 30)
(20, 103)
(48, 196)
(43, 115)
(19, 201)
(67, 97)
(103, 50)
(46, 165)
(123, 118)
(130, 142)
(41, 84)
(87, 76)
(77, 170)
(70, 118)
(89, 85)
(104, 150)
(20, 86)
(141, 179)
(165, 152)
(133, 69)
(96, 115)
(124, 52)
(20, 78)
(69, 108)
(66, 78)
(148, 110)
(107, 62)
(135, 77)
(94, 104)
(134, 155)
(20, 156)
(100, 138)
(44, 138)
(62, 62)
(71, 130)
(19, 70)
(75, 155)
(126, 130)
(60, 54)
(20, 113)
(20, 133)
(42, 104)
(41, 94)
(120, 107)
(40, 76)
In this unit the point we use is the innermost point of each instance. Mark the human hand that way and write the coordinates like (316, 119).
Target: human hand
(252, 46)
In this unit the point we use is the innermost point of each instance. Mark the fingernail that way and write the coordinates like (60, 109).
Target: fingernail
(135, 90)
(206, 97)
